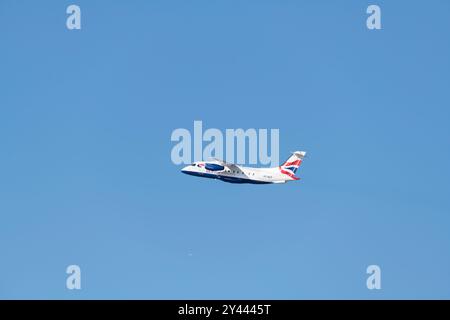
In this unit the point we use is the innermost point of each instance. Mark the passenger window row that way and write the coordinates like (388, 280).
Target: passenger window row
(240, 172)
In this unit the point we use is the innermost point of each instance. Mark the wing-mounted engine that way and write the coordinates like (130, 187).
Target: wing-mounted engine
(214, 167)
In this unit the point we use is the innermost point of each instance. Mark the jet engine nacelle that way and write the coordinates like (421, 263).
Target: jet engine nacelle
(214, 167)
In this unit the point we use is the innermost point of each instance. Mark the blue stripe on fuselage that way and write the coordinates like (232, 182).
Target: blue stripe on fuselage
(229, 179)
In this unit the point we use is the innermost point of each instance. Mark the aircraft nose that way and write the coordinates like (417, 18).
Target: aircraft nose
(185, 169)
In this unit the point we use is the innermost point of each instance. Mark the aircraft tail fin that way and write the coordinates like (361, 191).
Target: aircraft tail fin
(290, 166)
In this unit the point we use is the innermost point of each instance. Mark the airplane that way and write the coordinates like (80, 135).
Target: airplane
(229, 172)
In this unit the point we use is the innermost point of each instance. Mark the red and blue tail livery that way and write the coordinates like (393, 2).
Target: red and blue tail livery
(290, 166)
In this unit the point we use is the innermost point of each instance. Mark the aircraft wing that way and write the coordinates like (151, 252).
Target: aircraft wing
(225, 164)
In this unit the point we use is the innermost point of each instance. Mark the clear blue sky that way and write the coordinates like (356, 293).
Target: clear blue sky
(85, 170)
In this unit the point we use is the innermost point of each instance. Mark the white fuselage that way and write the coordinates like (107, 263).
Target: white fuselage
(236, 173)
